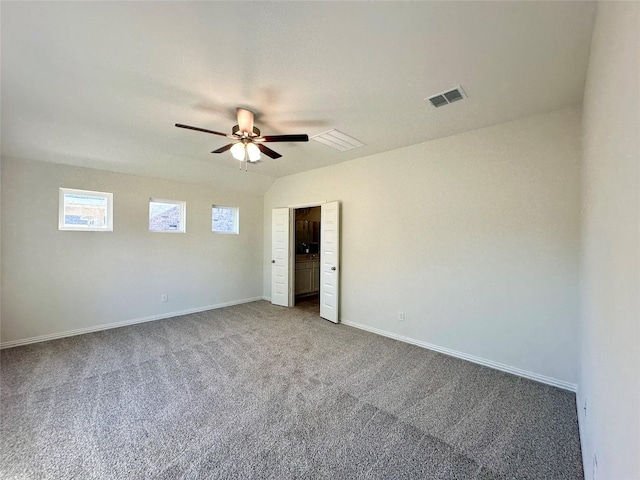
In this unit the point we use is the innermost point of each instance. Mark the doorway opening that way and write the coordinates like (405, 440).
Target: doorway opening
(326, 261)
(306, 238)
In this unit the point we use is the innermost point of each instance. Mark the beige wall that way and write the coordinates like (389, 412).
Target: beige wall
(59, 281)
(475, 237)
(610, 340)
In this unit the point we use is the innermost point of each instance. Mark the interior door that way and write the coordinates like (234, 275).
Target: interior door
(329, 260)
(280, 256)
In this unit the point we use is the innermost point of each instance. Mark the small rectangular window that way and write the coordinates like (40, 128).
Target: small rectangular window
(85, 210)
(167, 215)
(224, 219)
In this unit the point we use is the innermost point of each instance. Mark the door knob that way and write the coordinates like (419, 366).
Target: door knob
(333, 268)
(273, 261)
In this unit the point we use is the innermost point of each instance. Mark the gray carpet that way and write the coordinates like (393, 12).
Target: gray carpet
(258, 391)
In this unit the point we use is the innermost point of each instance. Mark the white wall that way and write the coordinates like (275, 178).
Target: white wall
(610, 337)
(59, 281)
(475, 237)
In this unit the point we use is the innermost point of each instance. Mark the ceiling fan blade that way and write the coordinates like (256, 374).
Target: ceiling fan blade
(198, 129)
(245, 120)
(283, 138)
(267, 151)
(223, 149)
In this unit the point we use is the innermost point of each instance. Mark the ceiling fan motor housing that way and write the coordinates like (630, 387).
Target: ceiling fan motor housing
(236, 131)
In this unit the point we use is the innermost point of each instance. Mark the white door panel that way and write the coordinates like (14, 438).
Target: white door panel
(280, 256)
(329, 261)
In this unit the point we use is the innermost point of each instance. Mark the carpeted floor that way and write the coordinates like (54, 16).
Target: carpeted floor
(259, 391)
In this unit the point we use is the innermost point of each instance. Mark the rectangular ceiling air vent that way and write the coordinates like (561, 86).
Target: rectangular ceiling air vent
(447, 97)
(338, 140)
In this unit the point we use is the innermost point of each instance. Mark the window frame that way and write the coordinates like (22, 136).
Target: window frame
(236, 219)
(62, 226)
(183, 214)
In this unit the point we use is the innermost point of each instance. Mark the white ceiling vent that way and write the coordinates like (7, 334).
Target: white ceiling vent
(338, 140)
(447, 97)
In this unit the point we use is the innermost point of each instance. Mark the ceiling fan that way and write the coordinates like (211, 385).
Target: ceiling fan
(249, 142)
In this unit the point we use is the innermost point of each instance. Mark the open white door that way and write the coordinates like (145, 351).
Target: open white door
(329, 260)
(280, 256)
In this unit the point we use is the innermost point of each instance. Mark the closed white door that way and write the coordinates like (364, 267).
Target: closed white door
(280, 256)
(329, 260)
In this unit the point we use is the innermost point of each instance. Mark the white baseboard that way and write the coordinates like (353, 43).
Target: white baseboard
(481, 361)
(582, 430)
(107, 326)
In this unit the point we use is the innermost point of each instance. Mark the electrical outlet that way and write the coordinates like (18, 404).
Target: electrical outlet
(401, 316)
(585, 408)
(164, 297)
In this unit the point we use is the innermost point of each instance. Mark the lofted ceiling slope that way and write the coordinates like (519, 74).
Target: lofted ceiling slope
(101, 84)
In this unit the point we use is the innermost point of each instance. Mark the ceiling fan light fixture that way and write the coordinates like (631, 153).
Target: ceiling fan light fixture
(253, 151)
(238, 151)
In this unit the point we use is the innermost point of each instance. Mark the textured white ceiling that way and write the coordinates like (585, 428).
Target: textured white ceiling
(102, 84)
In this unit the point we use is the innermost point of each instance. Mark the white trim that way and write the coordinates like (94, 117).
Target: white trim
(582, 430)
(307, 205)
(62, 226)
(291, 261)
(480, 361)
(108, 326)
(236, 219)
(182, 225)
